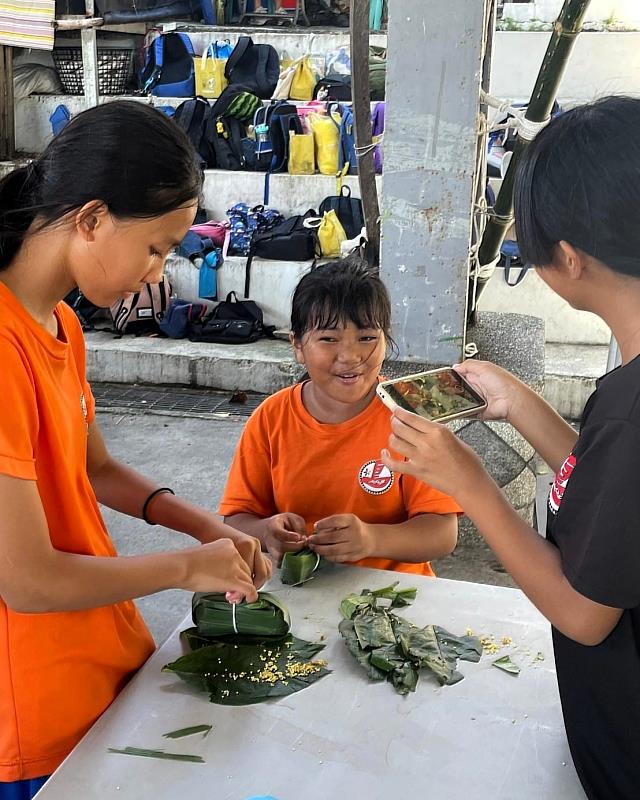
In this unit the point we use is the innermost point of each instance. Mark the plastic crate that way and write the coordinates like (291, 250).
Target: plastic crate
(114, 69)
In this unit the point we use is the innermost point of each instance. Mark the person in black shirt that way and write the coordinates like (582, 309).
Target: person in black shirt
(577, 203)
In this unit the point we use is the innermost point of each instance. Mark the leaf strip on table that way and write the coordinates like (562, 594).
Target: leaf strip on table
(182, 732)
(141, 751)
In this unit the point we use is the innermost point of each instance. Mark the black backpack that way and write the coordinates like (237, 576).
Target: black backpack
(196, 118)
(290, 240)
(233, 321)
(256, 66)
(348, 210)
(85, 309)
(228, 135)
(333, 89)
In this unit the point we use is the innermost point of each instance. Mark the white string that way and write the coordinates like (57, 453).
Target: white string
(362, 151)
(527, 128)
(233, 616)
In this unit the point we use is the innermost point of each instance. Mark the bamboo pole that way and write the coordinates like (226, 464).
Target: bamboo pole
(361, 97)
(565, 32)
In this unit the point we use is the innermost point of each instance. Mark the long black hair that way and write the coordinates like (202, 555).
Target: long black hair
(128, 155)
(346, 290)
(579, 182)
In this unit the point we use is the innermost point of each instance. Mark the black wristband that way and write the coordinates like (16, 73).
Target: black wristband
(150, 498)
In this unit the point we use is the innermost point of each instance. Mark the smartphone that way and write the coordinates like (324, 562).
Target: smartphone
(439, 395)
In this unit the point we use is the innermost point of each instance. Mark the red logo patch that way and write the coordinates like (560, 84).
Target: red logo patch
(560, 484)
(375, 477)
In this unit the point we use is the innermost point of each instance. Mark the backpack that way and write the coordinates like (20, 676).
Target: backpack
(246, 222)
(85, 310)
(168, 69)
(237, 101)
(279, 118)
(256, 66)
(233, 321)
(290, 240)
(179, 315)
(348, 209)
(377, 129)
(377, 73)
(335, 88)
(142, 312)
(227, 135)
(195, 117)
(347, 144)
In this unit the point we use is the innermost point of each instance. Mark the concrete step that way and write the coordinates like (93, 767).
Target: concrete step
(267, 365)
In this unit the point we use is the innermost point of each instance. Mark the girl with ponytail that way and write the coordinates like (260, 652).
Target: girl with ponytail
(100, 210)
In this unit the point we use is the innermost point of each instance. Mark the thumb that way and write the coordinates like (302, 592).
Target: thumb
(395, 465)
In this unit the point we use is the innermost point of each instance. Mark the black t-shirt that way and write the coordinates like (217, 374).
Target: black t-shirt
(594, 520)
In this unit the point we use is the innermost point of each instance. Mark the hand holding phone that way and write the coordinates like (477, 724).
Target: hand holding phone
(439, 395)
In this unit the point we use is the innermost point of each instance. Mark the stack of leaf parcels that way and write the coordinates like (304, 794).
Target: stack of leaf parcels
(298, 568)
(390, 648)
(246, 656)
(214, 617)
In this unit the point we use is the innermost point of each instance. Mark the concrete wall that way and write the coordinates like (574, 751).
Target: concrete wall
(601, 63)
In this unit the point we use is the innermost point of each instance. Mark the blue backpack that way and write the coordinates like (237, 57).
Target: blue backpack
(168, 69)
(347, 144)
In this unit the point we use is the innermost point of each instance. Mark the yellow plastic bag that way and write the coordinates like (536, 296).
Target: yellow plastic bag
(209, 74)
(331, 234)
(301, 154)
(326, 137)
(304, 80)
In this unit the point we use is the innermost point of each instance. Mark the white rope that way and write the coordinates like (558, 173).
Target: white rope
(527, 128)
(362, 151)
(233, 616)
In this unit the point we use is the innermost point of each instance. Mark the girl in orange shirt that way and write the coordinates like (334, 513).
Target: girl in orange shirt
(99, 210)
(307, 471)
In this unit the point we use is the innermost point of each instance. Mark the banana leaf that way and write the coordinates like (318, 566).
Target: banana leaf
(237, 674)
(466, 648)
(390, 647)
(373, 629)
(161, 754)
(347, 631)
(214, 617)
(298, 568)
(506, 665)
(368, 598)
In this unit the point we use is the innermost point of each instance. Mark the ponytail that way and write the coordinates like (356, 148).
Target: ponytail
(17, 210)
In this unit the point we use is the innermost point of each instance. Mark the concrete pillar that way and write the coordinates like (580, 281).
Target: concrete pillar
(434, 74)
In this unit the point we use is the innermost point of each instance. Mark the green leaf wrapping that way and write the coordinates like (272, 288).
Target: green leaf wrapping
(298, 568)
(161, 754)
(245, 673)
(390, 647)
(215, 617)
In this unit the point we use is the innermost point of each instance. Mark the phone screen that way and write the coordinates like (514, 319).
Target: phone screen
(435, 395)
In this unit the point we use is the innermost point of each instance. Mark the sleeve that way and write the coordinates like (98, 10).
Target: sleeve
(249, 488)
(19, 422)
(597, 528)
(76, 339)
(420, 498)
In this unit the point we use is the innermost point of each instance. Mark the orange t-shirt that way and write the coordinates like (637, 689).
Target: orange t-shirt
(58, 671)
(288, 461)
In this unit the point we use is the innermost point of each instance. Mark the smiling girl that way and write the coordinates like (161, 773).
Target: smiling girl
(307, 469)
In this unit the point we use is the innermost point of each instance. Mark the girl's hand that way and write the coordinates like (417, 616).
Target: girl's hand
(496, 385)
(342, 537)
(285, 533)
(434, 455)
(218, 567)
(248, 546)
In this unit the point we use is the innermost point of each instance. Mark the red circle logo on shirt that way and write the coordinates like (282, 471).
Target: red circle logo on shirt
(375, 477)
